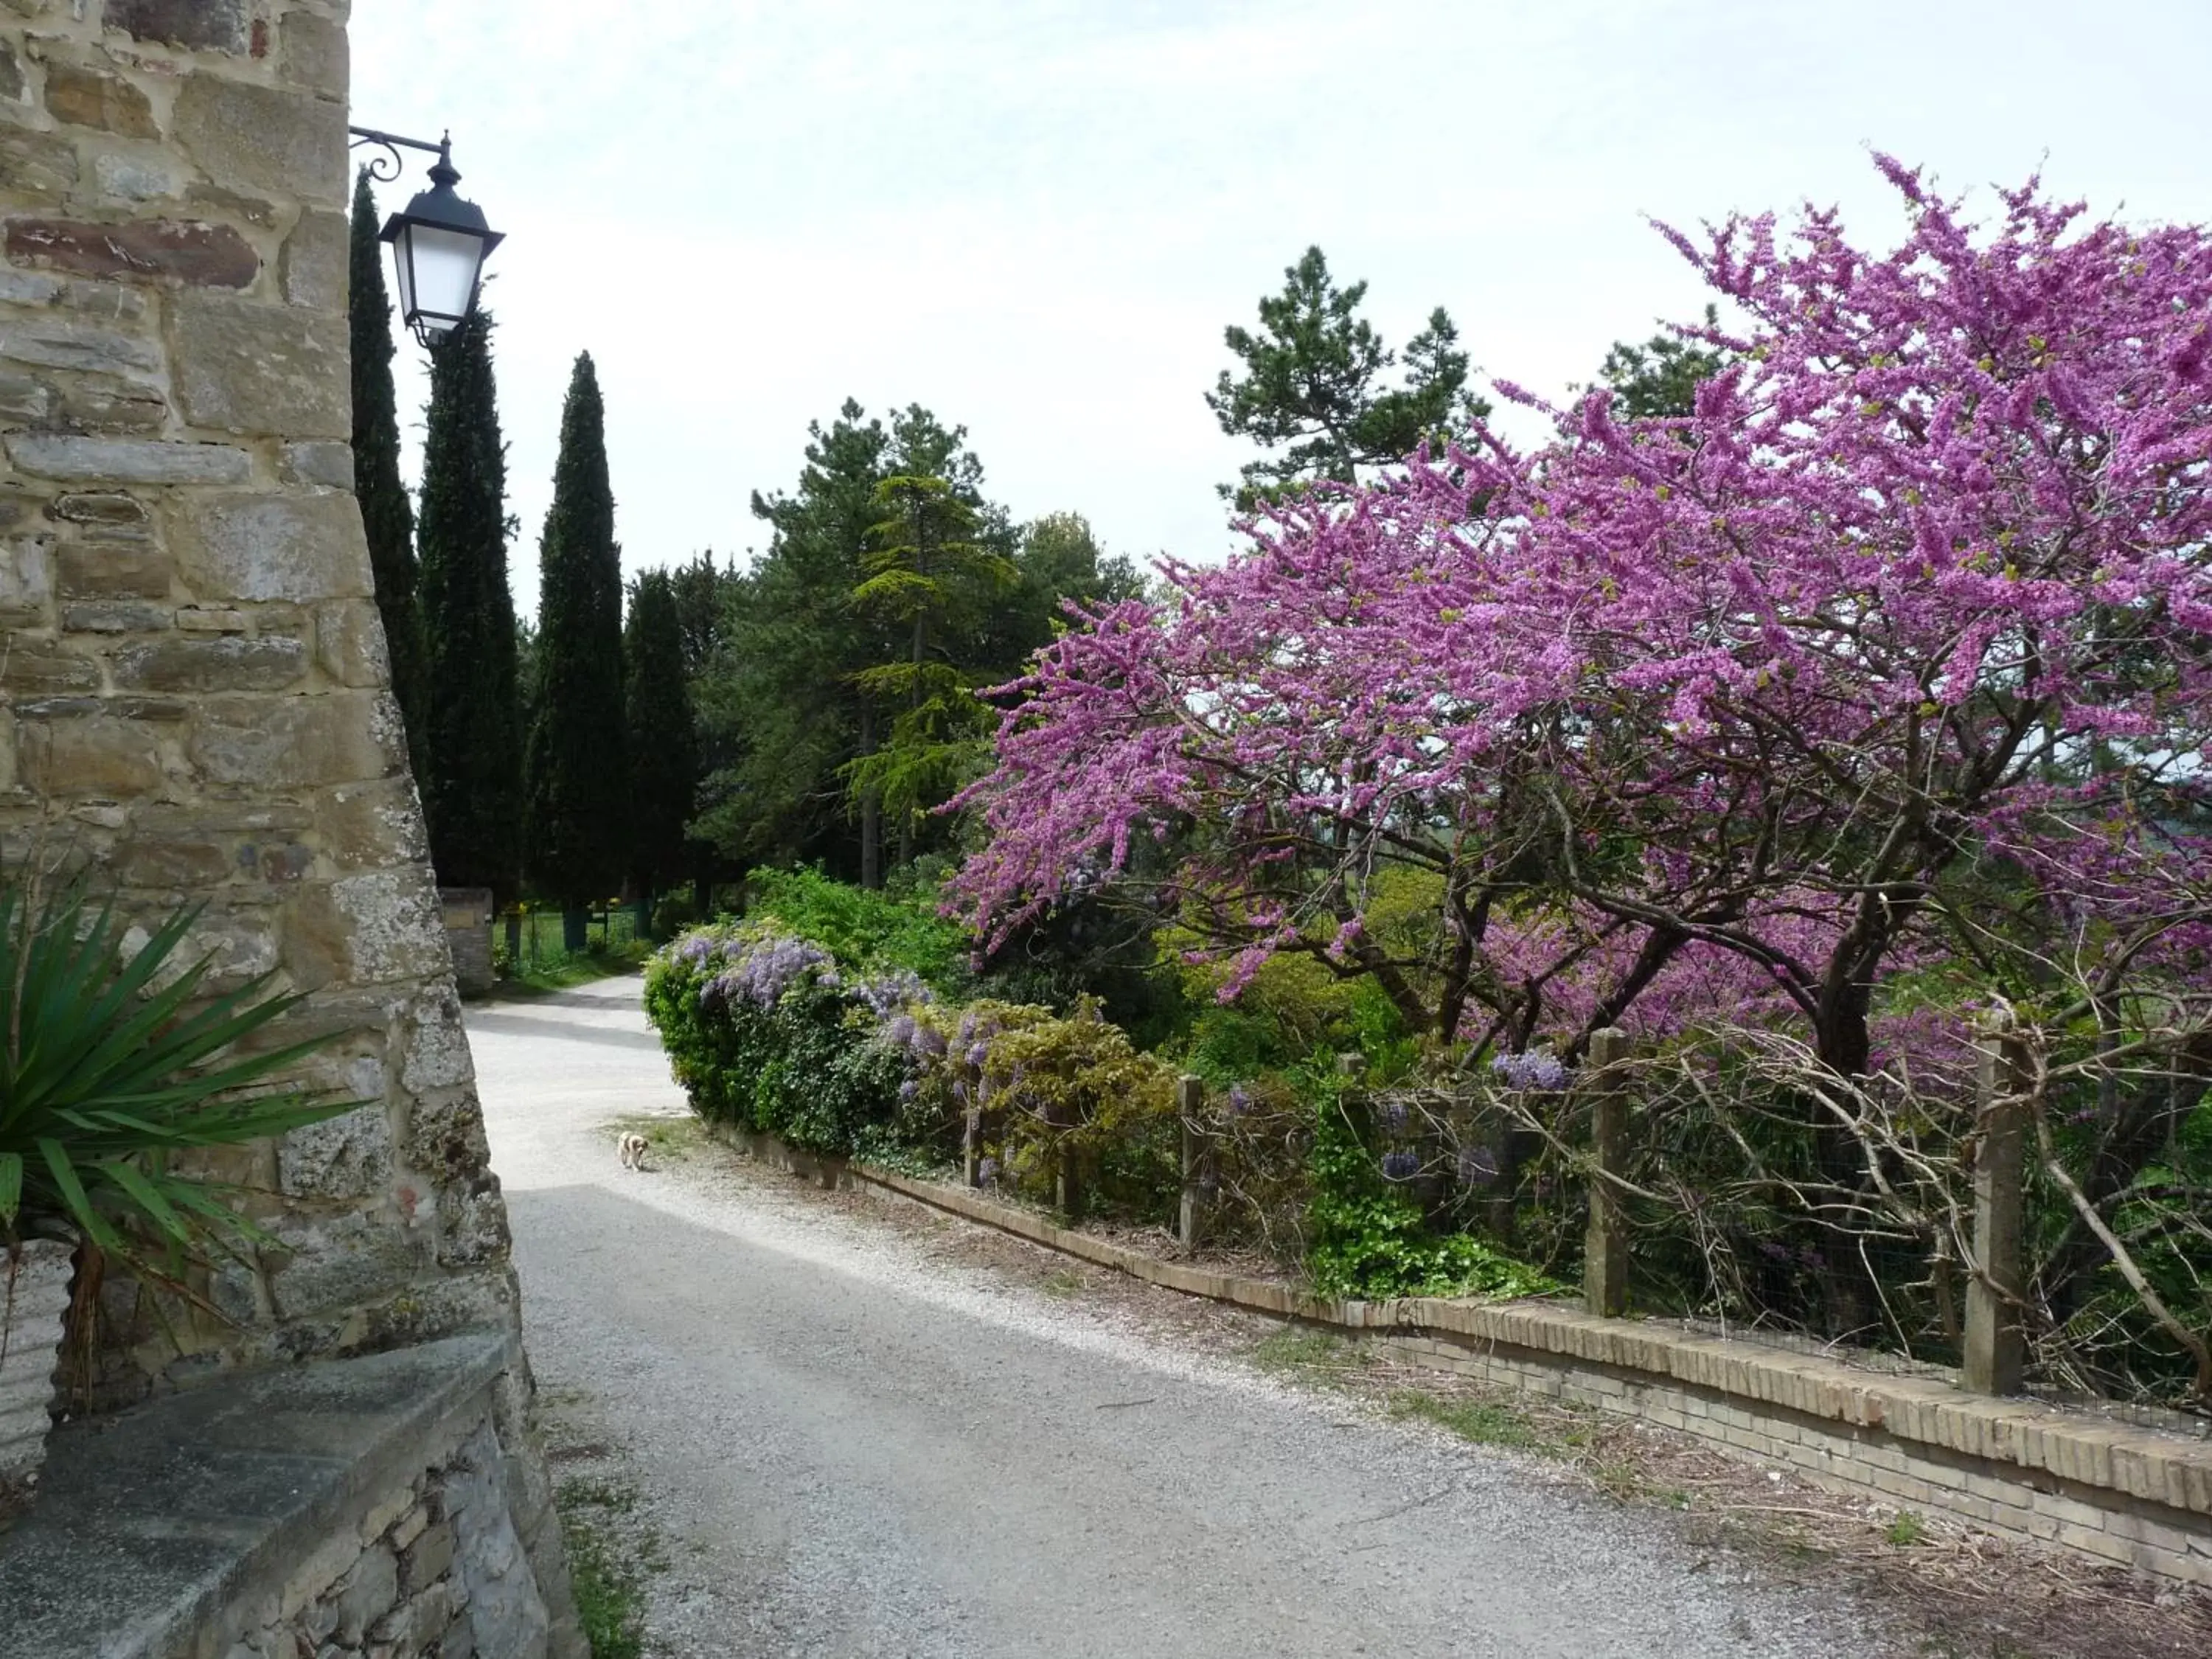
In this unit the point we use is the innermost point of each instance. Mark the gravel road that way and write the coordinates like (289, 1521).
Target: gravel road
(851, 1448)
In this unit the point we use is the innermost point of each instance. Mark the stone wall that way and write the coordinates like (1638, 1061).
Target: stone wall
(192, 674)
(380, 1508)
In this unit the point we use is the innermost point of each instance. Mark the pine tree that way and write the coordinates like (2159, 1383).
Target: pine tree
(664, 776)
(472, 785)
(386, 513)
(578, 766)
(926, 565)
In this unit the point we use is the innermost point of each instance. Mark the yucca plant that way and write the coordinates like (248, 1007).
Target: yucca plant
(106, 1073)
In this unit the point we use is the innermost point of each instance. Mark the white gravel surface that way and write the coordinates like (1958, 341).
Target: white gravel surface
(850, 1449)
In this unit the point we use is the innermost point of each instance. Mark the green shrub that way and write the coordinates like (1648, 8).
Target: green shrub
(765, 1032)
(863, 930)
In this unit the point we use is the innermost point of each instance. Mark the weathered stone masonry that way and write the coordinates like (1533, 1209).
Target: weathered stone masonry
(193, 686)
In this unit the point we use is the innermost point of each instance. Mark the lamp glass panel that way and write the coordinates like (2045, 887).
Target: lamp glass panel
(444, 272)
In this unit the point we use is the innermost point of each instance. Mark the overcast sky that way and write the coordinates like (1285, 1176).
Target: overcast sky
(1035, 218)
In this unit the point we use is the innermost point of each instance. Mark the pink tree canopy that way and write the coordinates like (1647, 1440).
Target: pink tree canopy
(1739, 711)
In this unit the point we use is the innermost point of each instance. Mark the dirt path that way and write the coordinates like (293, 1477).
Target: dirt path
(847, 1445)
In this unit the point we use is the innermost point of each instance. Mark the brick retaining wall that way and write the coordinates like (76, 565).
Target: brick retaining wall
(2138, 1497)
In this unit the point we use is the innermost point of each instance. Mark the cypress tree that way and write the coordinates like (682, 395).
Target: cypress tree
(472, 787)
(578, 764)
(663, 775)
(385, 513)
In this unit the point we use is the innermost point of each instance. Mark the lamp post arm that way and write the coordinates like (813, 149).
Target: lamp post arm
(385, 167)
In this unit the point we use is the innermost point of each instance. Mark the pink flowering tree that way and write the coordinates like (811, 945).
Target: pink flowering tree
(1739, 711)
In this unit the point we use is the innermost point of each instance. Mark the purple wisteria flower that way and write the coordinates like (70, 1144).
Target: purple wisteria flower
(763, 971)
(1478, 1166)
(1400, 1165)
(1240, 1100)
(1393, 1113)
(1532, 1068)
(886, 994)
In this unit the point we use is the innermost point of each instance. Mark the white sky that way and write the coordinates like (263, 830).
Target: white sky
(1035, 217)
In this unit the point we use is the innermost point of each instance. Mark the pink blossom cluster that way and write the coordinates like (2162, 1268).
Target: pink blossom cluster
(1699, 714)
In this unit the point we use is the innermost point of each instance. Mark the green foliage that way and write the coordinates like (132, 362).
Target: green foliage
(664, 745)
(1906, 1528)
(1659, 379)
(578, 764)
(472, 785)
(924, 572)
(807, 1067)
(1366, 1240)
(387, 515)
(1310, 387)
(820, 719)
(114, 1062)
(863, 929)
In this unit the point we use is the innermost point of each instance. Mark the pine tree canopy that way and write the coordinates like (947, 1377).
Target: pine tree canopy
(578, 766)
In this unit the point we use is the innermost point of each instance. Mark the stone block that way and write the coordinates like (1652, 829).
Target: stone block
(369, 1592)
(29, 288)
(111, 759)
(124, 177)
(99, 570)
(41, 667)
(472, 1225)
(437, 1054)
(241, 366)
(26, 578)
(263, 137)
(115, 618)
(373, 826)
(379, 926)
(80, 96)
(101, 508)
(73, 459)
(348, 1157)
(199, 25)
(272, 662)
(151, 250)
(350, 643)
(82, 403)
(313, 263)
(191, 861)
(13, 87)
(428, 1559)
(320, 465)
(445, 1138)
(302, 547)
(205, 619)
(38, 166)
(49, 341)
(338, 1263)
(289, 743)
(314, 53)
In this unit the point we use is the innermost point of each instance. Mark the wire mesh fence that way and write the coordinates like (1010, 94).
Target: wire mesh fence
(533, 937)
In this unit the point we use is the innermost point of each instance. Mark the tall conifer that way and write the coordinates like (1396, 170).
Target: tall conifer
(472, 787)
(664, 776)
(385, 513)
(578, 765)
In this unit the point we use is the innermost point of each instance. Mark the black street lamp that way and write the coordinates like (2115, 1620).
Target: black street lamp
(438, 244)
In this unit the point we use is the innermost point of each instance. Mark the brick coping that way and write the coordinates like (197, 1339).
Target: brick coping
(2170, 1470)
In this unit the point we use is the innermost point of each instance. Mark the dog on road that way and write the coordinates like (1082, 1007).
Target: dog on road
(631, 1148)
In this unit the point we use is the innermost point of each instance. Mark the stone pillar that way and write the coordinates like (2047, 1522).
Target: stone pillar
(1190, 1109)
(466, 913)
(193, 685)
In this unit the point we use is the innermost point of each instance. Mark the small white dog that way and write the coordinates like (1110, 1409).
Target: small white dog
(631, 1148)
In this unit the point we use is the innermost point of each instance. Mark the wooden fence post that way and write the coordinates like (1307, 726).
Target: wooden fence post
(1605, 1246)
(971, 1130)
(1996, 1348)
(1190, 1103)
(1068, 1170)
